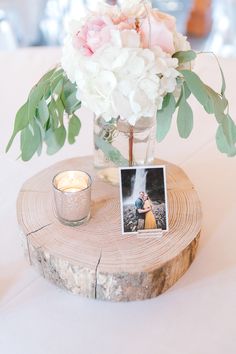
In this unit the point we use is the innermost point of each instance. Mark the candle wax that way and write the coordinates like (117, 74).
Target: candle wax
(72, 184)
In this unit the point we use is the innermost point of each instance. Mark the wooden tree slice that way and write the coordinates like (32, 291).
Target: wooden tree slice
(95, 260)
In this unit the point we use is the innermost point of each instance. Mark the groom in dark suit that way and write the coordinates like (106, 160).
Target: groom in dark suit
(140, 211)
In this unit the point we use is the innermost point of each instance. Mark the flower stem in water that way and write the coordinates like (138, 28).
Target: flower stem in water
(131, 146)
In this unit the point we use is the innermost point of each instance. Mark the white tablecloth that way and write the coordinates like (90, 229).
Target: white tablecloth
(196, 316)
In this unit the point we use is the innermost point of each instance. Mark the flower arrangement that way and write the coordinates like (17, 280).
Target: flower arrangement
(123, 62)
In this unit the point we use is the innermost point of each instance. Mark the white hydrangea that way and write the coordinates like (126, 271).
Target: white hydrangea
(180, 42)
(122, 81)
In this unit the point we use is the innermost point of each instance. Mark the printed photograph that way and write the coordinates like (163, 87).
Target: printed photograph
(143, 199)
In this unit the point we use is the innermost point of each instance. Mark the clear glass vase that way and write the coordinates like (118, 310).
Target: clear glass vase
(124, 145)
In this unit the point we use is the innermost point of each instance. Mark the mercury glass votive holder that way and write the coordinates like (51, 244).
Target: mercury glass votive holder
(72, 195)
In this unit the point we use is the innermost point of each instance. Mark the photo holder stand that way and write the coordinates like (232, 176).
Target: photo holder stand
(157, 233)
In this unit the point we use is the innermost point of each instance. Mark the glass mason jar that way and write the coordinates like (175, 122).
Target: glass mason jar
(125, 145)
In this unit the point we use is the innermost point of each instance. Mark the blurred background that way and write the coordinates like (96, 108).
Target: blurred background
(209, 24)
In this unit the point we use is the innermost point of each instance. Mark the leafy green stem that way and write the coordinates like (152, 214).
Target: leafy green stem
(42, 119)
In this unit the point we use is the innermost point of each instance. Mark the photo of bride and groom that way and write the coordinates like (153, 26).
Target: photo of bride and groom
(143, 199)
(144, 213)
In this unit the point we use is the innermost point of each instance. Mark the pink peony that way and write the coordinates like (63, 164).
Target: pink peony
(93, 35)
(161, 34)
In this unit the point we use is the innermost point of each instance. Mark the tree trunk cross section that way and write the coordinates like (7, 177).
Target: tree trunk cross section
(95, 260)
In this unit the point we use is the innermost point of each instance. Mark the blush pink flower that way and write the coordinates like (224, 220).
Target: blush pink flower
(126, 25)
(123, 22)
(157, 30)
(169, 21)
(93, 35)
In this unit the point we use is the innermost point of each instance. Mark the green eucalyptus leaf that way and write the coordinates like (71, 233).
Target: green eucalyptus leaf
(48, 125)
(110, 151)
(51, 80)
(229, 129)
(43, 111)
(42, 135)
(187, 92)
(184, 90)
(184, 118)
(68, 97)
(60, 110)
(45, 108)
(45, 82)
(55, 139)
(225, 102)
(47, 77)
(71, 103)
(21, 122)
(52, 77)
(30, 141)
(58, 88)
(216, 103)
(185, 56)
(73, 128)
(180, 98)
(210, 100)
(54, 115)
(223, 87)
(56, 109)
(35, 96)
(56, 77)
(69, 88)
(222, 143)
(198, 89)
(41, 127)
(164, 116)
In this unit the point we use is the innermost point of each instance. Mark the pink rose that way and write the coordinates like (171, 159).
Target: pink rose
(162, 28)
(93, 35)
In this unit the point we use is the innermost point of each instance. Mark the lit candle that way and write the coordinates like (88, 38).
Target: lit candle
(72, 194)
(72, 181)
